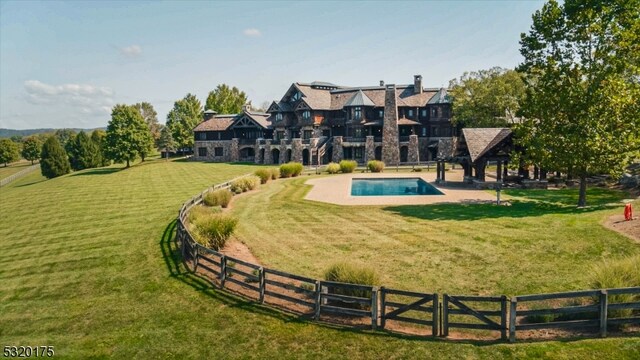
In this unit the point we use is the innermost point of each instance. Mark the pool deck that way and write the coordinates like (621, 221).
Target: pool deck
(336, 189)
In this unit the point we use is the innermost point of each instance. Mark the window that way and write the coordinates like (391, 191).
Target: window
(279, 117)
(434, 131)
(296, 96)
(306, 115)
(218, 151)
(424, 131)
(424, 113)
(410, 112)
(357, 132)
(202, 151)
(380, 114)
(358, 153)
(357, 113)
(434, 112)
(202, 136)
(307, 134)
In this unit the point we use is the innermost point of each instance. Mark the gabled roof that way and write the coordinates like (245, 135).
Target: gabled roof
(359, 99)
(441, 97)
(404, 121)
(481, 140)
(217, 123)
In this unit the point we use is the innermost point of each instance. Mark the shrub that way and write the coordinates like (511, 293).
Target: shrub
(220, 197)
(347, 166)
(351, 274)
(333, 168)
(275, 173)
(245, 184)
(617, 274)
(375, 166)
(201, 211)
(264, 175)
(291, 169)
(214, 230)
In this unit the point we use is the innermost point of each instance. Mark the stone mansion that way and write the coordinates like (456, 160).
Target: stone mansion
(321, 122)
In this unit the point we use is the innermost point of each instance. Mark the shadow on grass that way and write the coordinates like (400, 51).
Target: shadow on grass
(27, 183)
(526, 203)
(98, 171)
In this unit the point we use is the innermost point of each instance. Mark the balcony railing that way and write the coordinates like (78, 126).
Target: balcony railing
(353, 139)
(377, 139)
(306, 141)
(404, 139)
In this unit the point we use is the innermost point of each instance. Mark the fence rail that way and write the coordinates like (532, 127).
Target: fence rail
(18, 175)
(339, 302)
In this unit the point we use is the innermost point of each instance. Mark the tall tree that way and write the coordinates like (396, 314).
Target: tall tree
(487, 98)
(64, 135)
(582, 70)
(85, 152)
(226, 100)
(181, 120)
(127, 133)
(8, 151)
(54, 161)
(31, 148)
(166, 142)
(151, 118)
(98, 138)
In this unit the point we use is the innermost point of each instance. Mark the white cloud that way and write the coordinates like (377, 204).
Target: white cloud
(83, 98)
(131, 50)
(252, 32)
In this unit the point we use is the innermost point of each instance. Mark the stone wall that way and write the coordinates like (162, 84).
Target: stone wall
(337, 149)
(234, 150)
(211, 145)
(296, 150)
(414, 149)
(268, 155)
(369, 150)
(390, 143)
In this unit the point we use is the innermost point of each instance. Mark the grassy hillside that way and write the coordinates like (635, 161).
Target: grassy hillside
(13, 168)
(87, 266)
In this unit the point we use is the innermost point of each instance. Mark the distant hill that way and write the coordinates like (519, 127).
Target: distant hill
(7, 133)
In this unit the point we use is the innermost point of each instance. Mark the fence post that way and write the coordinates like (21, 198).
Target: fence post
(445, 315)
(503, 317)
(262, 284)
(374, 308)
(435, 318)
(512, 319)
(318, 297)
(604, 304)
(195, 255)
(383, 307)
(223, 270)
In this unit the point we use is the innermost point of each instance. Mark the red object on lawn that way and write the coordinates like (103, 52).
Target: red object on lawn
(628, 212)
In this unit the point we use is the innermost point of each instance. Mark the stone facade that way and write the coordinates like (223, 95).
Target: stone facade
(211, 146)
(414, 149)
(390, 143)
(268, 155)
(337, 149)
(296, 150)
(369, 149)
(283, 151)
(234, 150)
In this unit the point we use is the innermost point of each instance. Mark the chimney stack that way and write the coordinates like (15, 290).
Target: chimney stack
(209, 114)
(390, 141)
(381, 82)
(417, 84)
(246, 107)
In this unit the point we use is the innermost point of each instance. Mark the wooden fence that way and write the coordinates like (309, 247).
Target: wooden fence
(18, 175)
(356, 304)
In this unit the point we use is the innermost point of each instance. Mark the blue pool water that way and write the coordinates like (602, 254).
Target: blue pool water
(392, 187)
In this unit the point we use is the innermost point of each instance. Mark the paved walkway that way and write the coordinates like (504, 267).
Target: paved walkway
(336, 189)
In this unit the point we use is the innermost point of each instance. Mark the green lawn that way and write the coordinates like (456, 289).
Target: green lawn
(13, 168)
(86, 265)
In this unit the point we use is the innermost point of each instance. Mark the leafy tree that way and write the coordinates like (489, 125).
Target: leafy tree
(54, 161)
(487, 98)
(85, 152)
(8, 151)
(98, 138)
(151, 118)
(166, 142)
(181, 120)
(581, 66)
(226, 100)
(127, 133)
(64, 135)
(31, 148)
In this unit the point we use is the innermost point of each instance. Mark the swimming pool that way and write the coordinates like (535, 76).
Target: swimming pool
(392, 187)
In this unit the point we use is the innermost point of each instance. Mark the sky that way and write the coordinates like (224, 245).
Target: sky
(65, 64)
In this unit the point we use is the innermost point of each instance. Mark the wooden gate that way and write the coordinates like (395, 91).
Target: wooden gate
(454, 305)
(420, 304)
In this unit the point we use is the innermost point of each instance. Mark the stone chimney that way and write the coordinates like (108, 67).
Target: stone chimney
(246, 107)
(209, 114)
(390, 141)
(417, 84)
(381, 82)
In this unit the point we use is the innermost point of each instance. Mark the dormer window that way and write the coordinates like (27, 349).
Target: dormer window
(306, 114)
(279, 117)
(410, 112)
(434, 112)
(357, 113)
(296, 96)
